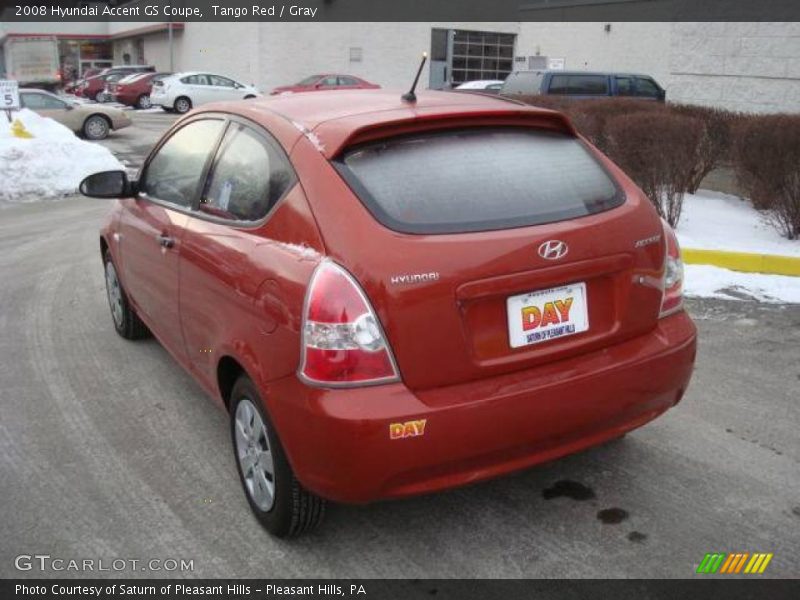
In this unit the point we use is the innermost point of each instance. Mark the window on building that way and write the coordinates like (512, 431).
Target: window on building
(356, 54)
(480, 55)
(248, 177)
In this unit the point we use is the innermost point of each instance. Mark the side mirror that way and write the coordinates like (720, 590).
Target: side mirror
(107, 184)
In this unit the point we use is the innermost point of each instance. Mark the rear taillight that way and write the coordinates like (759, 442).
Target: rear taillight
(343, 343)
(672, 299)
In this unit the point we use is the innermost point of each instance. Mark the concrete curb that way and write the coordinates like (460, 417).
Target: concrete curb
(772, 264)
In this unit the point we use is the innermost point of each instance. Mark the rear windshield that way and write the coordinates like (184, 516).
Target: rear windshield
(478, 180)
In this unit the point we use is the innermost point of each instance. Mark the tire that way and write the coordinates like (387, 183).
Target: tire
(249, 97)
(126, 322)
(182, 105)
(143, 102)
(96, 127)
(288, 510)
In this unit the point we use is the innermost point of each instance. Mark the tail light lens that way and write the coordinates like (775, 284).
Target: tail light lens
(343, 343)
(672, 299)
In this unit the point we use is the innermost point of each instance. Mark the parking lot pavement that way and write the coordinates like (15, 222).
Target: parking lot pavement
(109, 450)
(132, 144)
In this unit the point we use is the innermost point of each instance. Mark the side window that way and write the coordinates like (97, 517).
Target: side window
(173, 174)
(248, 177)
(624, 86)
(221, 81)
(41, 102)
(195, 80)
(332, 80)
(646, 88)
(588, 85)
(559, 84)
(347, 81)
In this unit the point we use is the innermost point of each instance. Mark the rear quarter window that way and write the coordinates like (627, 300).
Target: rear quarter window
(478, 180)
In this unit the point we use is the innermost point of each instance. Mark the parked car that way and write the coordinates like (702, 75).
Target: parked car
(182, 91)
(582, 84)
(93, 121)
(134, 90)
(380, 312)
(127, 69)
(94, 88)
(329, 81)
(490, 86)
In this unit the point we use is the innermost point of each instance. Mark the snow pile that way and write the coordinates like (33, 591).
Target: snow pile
(713, 282)
(715, 221)
(51, 164)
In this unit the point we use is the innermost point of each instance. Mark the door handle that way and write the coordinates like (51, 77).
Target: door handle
(165, 241)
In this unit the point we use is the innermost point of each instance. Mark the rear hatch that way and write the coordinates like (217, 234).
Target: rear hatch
(496, 249)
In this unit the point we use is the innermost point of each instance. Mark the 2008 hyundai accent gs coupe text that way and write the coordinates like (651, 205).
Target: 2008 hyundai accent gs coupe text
(394, 297)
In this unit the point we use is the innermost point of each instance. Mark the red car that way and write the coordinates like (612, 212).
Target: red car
(134, 90)
(392, 298)
(330, 81)
(95, 86)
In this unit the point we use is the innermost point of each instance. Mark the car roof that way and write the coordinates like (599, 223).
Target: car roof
(330, 119)
(563, 72)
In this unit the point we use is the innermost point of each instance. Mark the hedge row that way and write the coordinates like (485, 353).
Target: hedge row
(668, 149)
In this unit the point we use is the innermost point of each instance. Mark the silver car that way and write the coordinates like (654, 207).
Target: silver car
(93, 121)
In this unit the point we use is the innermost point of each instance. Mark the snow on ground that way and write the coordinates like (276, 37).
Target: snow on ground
(48, 166)
(716, 221)
(713, 282)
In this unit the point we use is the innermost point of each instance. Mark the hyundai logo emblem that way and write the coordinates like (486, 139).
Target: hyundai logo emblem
(553, 249)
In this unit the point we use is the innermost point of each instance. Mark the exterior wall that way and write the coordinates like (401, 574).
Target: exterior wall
(740, 66)
(753, 67)
(631, 47)
(225, 48)
(390, 56)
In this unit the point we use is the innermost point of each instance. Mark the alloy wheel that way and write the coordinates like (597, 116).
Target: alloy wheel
(114, 293)
(255, 455)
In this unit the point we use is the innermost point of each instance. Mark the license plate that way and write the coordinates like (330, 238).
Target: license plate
(544, 315)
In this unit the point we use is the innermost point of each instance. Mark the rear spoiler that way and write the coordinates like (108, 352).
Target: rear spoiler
(507, 117)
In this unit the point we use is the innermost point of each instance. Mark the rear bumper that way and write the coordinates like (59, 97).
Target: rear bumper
(339, 445)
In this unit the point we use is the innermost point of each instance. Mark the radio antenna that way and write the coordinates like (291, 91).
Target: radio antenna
(410, 96)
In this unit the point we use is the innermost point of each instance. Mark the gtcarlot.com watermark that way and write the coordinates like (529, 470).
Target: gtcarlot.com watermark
(48, 563)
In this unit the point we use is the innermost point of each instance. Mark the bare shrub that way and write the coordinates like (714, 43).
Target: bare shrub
(767, 161)
(658, 150)
(591, 117)
(715, 141)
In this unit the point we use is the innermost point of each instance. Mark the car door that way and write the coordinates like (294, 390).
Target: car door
(223, 88)
(54, 108)
(218, 282)
(152, 226)
(197, 89)
(348, 83)
(329, 82)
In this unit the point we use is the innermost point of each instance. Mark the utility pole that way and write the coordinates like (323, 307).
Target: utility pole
(171, 50)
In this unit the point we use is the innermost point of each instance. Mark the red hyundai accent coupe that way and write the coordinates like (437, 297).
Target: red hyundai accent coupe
(392, 297)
